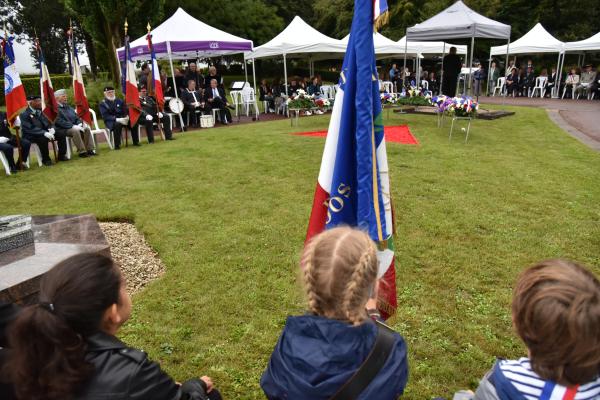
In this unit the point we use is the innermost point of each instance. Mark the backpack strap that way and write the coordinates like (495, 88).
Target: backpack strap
(384, 343)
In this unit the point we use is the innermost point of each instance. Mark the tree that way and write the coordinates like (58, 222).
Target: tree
(333, 17)
(103, 20)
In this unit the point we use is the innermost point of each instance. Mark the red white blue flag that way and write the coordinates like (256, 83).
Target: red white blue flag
(130, 87)
(155, 89)
(49, 104)
(380, 13)
(81, 102)
(353, 187)
(14, 93)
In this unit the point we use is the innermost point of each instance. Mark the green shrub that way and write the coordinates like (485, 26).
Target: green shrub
(32, 84)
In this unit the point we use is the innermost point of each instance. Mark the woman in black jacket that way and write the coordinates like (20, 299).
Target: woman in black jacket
(65, 346)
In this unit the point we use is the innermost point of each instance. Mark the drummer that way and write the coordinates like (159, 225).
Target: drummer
(194, 101)
(114, 114)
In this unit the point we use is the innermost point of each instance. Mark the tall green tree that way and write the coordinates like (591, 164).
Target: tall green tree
(103, 20)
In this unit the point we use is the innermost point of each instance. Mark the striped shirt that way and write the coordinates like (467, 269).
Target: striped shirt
(532, 387)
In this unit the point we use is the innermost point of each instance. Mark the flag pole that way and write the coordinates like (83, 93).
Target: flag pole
(17, 136)
(152, 59)
(126, 25)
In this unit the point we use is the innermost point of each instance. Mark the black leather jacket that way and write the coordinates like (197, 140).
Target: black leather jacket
(123, 373)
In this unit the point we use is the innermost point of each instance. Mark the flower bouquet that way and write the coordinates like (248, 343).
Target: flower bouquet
(415, 96)
(441, 103)
(463, 107)
(300, 100)
(322, 103)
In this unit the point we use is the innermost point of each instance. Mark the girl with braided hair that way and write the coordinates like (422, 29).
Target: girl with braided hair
(318, 353)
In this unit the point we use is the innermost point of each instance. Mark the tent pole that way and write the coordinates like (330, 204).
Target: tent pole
(253, 75)
(489, 73)
(555, 89)
(561, 65)
(285, 82)
(404, 71)
(468, 85)
(583, 59)
(174, 82)
(442, 72)
(505, 68)
(245, 69)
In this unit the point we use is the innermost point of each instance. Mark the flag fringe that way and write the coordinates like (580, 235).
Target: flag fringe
(381, 20)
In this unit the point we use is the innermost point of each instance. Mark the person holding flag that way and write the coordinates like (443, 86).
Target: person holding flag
(49, 104)
(336, 351)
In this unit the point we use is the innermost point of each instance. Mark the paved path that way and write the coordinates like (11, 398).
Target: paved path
(580, 118)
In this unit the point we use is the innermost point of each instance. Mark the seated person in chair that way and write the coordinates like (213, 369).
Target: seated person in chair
(528, 81)
(69, 123)
(314, 88)
(114, 114)
(215, 96)
(266, 94)
(8, 143)
(512, 82)
(151, 114)
(552, 78)
(36, 128)
(587, 77)
(571, 82)
(194, 101)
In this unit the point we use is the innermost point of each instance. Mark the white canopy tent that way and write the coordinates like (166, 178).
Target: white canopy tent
(297, 40)
(537, 40)
(385, 46)
(431, 47)
(458, 21)
(182, 36)
(581, 46)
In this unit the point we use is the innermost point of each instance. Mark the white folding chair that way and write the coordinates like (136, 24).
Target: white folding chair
(4, 162)
(97, 131)
(500, 86)
(540, 85)
(236, 96)
(38, 154)
(572, 92)
(387, 86)
(249, 100)
(326, 91)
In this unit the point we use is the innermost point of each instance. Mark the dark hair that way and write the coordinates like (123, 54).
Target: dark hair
(556, 312)
(47, 340)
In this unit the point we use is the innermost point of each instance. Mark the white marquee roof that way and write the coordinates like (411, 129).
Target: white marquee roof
(298, 37)
(432, 47)
(458, 21)
(537, 40)
(589, 44)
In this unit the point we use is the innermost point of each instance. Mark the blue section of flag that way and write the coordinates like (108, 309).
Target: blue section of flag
(9, 54)
(383, 7)
(124, 67)
(355, 197)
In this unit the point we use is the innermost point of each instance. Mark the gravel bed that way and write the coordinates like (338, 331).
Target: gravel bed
(139, 263)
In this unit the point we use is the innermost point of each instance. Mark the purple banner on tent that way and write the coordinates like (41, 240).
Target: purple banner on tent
(178, 47)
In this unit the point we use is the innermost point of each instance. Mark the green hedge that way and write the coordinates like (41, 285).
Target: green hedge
(32, 84)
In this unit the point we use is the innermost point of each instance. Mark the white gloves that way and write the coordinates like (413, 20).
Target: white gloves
(49, 135)
(3, 139)
(52, 131)
(123, 121)
(149, 118)
(160, 115)
(17, 122)
(196, 104)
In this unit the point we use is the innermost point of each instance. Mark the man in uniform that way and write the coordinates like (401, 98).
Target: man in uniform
(114, 114)
(194, 101)
(151, 114)
(8, 143)
(452, 67)
(36, 128)
(71, 125)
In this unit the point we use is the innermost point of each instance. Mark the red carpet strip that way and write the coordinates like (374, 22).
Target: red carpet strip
(397, 134)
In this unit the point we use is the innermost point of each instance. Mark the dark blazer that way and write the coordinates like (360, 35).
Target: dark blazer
(66, 119)
(191, 76)
(4, 128)
(264, 91)
(188, 97)
(32, 124)
(148, 105)
(208, 93)
(209, 78)
(111, 110)
(122, 372)
(314, 89)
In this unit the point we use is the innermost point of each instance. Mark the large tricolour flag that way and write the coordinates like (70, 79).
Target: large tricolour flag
(14, 93)
(49, 104)
(156, 88)
(130, 88)
(81, 101)
(353, 187)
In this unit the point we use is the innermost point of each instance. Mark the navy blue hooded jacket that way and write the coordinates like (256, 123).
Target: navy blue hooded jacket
(316, 356)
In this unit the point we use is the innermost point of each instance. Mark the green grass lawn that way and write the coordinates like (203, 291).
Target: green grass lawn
(227, 210)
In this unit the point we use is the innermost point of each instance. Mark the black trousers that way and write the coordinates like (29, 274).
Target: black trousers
(42, 143)
(221, 105)
(166, 123)
(61, 140)
(449, 86)
(9, 150)
(117, 132)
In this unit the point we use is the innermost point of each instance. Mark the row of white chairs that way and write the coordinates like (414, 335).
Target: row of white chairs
(541, 86)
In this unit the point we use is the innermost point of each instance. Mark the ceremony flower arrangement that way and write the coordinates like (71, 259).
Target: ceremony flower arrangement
(463, 107)
(321, 103)
(415, 96)
(301, 100)
(387, 98)
(441, 103)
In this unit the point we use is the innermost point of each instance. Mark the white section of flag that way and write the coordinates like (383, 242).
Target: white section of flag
(331, 143)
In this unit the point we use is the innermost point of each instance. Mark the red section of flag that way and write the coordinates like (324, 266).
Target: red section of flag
(15, 103)
(50, 105)
(318, 216)
(396, 134)
(387, 292)
(132, 98)
(81, 102)
(158, 93)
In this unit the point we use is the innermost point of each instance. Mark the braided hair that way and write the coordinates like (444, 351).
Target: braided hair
(339, 271)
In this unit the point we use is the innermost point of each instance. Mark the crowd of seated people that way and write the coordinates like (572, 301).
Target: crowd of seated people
(65, 346)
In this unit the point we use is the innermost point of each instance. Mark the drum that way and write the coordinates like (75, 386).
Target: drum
(174, 106)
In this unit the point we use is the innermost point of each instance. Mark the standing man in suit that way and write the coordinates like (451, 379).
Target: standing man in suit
(71, 125)
(36, 128)
(114, 114)
(452, 67)
(151, 114)
(215, 96)
(193, 101)
(192, 74)
(8, 144)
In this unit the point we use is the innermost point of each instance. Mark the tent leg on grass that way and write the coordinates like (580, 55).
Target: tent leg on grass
(505, 72)
(442, 73)
(285, 82)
